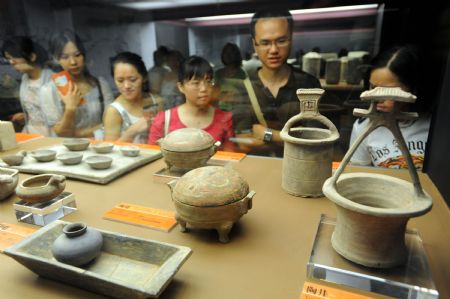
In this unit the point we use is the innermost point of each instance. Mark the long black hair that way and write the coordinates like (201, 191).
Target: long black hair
(403, 62)
(134, 60)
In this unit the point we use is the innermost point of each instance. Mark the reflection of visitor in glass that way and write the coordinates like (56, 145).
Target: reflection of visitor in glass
(77, 113)
(128, 118)
(20, 52)
(159, 70)
(196, 83)
(169, 90)
(397, 67)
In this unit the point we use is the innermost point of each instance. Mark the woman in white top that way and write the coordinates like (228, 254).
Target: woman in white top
(21, 53)
(397, 67)
(79, 112)
(129, 117)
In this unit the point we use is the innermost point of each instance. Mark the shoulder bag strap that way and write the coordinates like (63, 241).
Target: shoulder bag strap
(166, 122)
(254, 101)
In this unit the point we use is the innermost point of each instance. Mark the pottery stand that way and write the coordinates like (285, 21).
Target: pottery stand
(308, 152)
(373, 209)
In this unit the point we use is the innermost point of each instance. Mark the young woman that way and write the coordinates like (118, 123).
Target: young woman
(21, 53)
(195, 82)
(78, 112)
(397, 67)
(127, 118)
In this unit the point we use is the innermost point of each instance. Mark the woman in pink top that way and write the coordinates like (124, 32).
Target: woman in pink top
(195, 81)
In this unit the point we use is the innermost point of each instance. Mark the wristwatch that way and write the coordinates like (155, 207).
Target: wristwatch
(268, 134)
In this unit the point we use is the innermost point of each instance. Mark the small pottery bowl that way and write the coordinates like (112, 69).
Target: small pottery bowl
(99, 162)
(130, 150)
(43, 155)
(103, 148)
(70, 158)
(14, 160)
(41, 188)
(8, 182)
(76, 144)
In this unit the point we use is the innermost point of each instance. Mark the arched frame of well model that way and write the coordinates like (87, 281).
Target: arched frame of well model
(373, 209)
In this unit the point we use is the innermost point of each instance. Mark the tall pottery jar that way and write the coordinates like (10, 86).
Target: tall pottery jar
(308, 151)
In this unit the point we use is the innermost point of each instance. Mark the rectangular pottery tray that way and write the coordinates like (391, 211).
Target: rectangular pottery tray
(127, 267)
(83, 171)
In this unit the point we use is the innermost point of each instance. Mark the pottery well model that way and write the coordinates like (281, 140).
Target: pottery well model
(8, 182)
(188, 148)
(14, 160)
(308, 151)
(70, 158)
(43, 155)
(76, 144)
(103, 147)
(77, 245)
(130, 150)
(211, 197)
(41, 188)
(373, 209)
(99, 162)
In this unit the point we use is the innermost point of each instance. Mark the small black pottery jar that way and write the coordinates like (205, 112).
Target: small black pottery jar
(78, 245)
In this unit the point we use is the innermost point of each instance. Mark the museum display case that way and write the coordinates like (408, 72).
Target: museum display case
(288, 236)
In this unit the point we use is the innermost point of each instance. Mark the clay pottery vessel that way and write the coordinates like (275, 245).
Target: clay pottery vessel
(14, 160)
(332, 71)
(308, 151)
(211, 197)
(8, 182)
(77, 245)
(41, 188)
(103, 148)
(70, 158)
(99, 162)
(188, 148)
(76, 144)
(130, 150)
(311, 63)
(43, 155)
(373, 209)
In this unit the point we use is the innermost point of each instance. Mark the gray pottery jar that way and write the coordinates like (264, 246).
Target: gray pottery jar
(78, 245)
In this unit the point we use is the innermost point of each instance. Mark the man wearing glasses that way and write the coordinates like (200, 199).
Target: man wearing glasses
(273, 86)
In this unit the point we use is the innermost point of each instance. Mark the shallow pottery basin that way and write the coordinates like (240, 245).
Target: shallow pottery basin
(130, 150)
(70, 158)
(211, 197)
(8, 181)
(44, 155)
(99, 162)
(41, 188)
(373, 211)
(127, 267)
(103, 148)
(76, 144)
(188, 148)
(14, 160)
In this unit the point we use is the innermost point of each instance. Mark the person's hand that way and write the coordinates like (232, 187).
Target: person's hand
(140, 126)
(258, 132)
(18, 118)
(72, 98)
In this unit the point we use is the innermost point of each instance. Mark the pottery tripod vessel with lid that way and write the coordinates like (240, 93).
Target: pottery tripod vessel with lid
(308, 151)
(373, 209)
